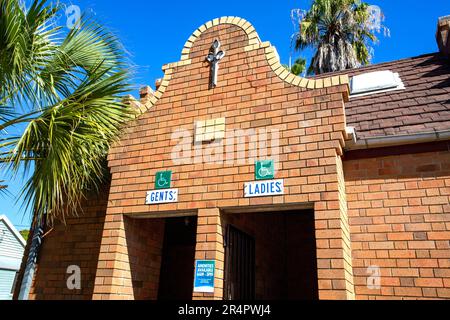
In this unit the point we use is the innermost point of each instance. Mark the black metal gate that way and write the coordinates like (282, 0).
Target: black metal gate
(239, 265)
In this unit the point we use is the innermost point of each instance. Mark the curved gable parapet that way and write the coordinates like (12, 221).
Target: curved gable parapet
(241, 41)
(254, 43)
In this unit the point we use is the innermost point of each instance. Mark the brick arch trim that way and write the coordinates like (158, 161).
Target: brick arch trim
(254, 43)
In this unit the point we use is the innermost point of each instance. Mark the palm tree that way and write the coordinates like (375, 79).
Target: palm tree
(65, 89)
(339, 32)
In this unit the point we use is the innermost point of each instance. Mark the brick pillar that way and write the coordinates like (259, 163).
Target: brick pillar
(334, 263)
(113, 278)
(346, 243)
(210, 247)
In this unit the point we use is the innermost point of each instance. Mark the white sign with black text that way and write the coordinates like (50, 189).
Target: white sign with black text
(162, 196)
(264, 188)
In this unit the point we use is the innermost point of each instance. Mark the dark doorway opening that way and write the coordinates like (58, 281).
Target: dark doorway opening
(177, 265)
(284, 265)
(239, 265)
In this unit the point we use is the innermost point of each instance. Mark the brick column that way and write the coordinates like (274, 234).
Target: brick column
(346, 242)
(334, 263)
(113, 278)
(210, 247)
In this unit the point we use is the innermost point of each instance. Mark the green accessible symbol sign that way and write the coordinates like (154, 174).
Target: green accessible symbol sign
(163, 180)
(264, 170)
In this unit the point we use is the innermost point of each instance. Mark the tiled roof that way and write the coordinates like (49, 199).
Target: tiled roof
(424, 106)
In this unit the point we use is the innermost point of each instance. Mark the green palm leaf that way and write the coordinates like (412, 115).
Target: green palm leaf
(338, 32)
(71, 86)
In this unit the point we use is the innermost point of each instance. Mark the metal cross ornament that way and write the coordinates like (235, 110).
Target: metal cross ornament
(214, 56)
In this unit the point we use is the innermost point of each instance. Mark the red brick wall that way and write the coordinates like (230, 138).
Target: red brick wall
(144, 238)
(76, 243)
(399, 215)
(250, 95)
(129, 259)
(398, 205)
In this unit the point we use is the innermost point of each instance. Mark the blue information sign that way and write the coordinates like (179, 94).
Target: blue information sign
(204, 276)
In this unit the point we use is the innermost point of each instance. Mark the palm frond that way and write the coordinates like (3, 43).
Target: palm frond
(338, 31)
(67, 145)
(75, 84)
(27, 40)
(3, 187)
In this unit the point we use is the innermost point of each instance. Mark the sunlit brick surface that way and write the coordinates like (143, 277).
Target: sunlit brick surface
(399, 213)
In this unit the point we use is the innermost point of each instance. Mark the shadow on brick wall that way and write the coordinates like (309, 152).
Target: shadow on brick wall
(77, 243)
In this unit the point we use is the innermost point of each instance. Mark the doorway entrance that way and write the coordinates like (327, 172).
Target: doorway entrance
(239, 265)
(178, 255)
(270, 256)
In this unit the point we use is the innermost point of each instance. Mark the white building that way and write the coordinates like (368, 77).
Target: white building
(12, 246)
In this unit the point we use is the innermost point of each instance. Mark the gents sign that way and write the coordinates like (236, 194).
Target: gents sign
(264, 188)
(163, 193)
(204, 276)
(162, 196)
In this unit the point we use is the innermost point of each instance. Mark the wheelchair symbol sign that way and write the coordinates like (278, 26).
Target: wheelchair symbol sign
(264, 170)
(163, 180)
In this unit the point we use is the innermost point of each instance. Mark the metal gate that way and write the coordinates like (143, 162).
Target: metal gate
(239, 265)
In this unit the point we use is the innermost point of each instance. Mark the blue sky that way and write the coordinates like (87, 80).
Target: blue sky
(154, 33)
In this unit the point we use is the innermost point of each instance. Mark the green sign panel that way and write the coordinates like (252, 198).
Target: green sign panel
(163, 180)
(264, 170)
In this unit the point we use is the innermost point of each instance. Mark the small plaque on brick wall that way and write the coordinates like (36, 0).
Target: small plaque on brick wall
(209, 130)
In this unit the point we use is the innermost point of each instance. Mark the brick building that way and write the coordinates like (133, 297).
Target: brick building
(355, 207)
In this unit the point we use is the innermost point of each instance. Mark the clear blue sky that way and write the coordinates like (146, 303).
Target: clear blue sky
(154, 33)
